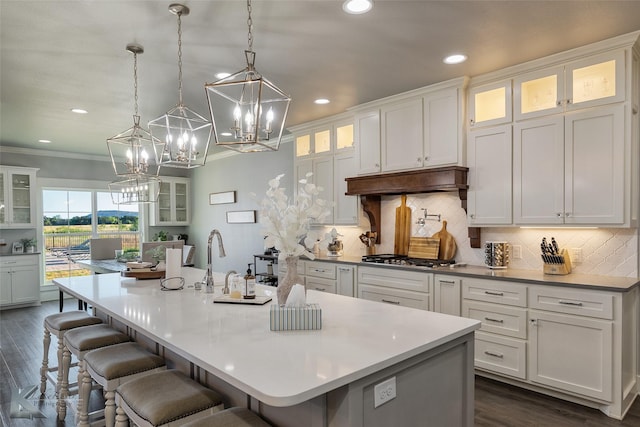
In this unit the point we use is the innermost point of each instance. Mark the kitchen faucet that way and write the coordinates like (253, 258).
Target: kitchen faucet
(225, 290)
(208, 279)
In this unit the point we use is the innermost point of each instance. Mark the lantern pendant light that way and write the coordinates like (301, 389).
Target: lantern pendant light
(186, 133)
(133, 155)
(247, 110)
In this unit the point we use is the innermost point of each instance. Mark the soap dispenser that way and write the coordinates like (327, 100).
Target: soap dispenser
(249, 284)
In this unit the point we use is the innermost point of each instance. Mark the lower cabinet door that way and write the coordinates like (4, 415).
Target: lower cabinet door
(571, 353)
(394, 296)
(319, 284)
(507, 356)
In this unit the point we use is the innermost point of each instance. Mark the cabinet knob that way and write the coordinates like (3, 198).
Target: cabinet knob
(471, 122)
(419, 160)
(568, 214)
(559, 214)
(472, 216)
(559, 102)
(569, 101)
(377, 165)
(426, 158)
(533, 322)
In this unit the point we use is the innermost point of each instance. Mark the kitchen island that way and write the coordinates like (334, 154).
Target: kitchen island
(328, 377)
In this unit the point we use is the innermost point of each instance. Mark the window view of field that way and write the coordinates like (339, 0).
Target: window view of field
(71, 220)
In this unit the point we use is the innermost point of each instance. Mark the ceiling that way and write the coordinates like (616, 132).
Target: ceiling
(57, 55)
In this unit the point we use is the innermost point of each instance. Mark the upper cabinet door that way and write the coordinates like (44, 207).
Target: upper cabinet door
(442, 128)
(539, 93)
(367, 138)
(595, 81)
(490, 104)
(17, 197)
(402, 135)
(174, 202)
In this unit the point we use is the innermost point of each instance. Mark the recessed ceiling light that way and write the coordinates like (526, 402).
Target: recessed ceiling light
(455, 59)
(222, 75)
(321, 101)
(44, 141)
(79, 111)
(356, 7)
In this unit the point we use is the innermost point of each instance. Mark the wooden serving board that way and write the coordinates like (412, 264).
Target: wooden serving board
(142, 275)
(403, 228)
(447, 243)
(424, 247)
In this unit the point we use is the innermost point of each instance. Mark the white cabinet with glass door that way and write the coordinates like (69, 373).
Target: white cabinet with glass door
(314, 142)
(173, 206)
(596, 80)
(490, 104)
(17, 197)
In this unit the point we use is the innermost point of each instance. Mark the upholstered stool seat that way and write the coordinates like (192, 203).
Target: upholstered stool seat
(232, 417)
(167, 398)
(57, 324)
(78, 342)
(111, 366)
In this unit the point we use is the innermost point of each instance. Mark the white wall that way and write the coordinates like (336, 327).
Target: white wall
(244, 174)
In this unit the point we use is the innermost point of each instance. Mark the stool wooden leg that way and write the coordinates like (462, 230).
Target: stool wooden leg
(60, 373)
(122, 420)
(110, 408)
(84, 392)
(46, 342)
(64, 383)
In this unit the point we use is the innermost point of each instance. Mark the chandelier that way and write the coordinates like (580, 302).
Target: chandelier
(186, 134)
(247, 110)
(133, 155)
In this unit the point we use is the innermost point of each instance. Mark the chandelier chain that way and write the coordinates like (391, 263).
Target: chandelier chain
(135, 82)
(250, 25)
(179, 58)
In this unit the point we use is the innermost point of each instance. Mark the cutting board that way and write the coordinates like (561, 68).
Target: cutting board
(447, 243)
(424, 247)
(403, 228)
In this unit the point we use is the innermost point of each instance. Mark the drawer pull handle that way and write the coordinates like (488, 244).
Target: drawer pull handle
(320, 289)
(498, 355)
(489, 319)
(391, 302)
(447, 281)
(497, 294)
(576, 304)
(344, 269)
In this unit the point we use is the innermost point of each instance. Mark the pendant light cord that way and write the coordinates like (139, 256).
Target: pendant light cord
(250, 25)
(179, 58)
(135, 83)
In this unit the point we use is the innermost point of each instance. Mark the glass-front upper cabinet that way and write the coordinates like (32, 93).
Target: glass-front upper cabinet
(173, 206)
(539, 93)
(315, 142)
(490, 104)
(595, 81)
(17, 197)
(344, 136)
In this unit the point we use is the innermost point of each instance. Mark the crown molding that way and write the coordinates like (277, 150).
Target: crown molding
(51, 153)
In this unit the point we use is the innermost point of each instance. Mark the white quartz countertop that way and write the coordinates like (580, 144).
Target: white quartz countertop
(282, 368)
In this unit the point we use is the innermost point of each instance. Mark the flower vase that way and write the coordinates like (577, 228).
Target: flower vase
(290, 278)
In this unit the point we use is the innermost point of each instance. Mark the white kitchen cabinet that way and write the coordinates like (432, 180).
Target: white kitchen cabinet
(402, 135)
(17, 197)
(174, 203)
(367, 141)
(19, 280)
(502, 355)
(345, 280)
(443, 127)
(446, 294)
(396, 286)
(489, 198)
(490, 104)
(595, 80)
(345, 209)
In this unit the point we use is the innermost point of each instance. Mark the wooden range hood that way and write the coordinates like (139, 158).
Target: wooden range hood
(371, 188)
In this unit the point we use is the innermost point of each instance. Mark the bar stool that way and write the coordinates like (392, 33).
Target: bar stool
(57, 324)
(111, 366)
(78, 342)
(167, 398)
(232, 417)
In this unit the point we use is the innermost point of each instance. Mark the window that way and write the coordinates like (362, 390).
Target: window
(71, 218)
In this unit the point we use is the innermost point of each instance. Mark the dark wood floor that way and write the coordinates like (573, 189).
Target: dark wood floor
(496, 404)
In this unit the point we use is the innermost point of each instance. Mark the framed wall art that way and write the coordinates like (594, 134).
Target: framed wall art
(222, 198)
(241, 217)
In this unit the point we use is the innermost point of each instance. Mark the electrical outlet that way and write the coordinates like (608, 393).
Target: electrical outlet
(517, 251)
(576, 255)
(384, 392)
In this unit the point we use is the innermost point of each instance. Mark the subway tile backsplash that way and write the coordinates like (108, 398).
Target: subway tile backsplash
(605, 251)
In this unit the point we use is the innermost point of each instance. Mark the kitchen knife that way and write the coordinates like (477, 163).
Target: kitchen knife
(555, 246)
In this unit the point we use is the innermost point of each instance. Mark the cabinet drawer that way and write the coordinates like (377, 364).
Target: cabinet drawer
(319, 284)
(571, 301)
(320, 269)
(498, 292)
(395, 278)
(499, 319)
(394, 296)
(18, 261)
(505, 356)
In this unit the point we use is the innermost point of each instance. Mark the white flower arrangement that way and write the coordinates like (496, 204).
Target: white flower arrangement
(287, 226)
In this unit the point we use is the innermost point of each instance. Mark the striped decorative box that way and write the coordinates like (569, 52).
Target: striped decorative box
(293, 318)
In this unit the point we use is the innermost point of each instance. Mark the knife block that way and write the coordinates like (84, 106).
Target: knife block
(559, 268)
